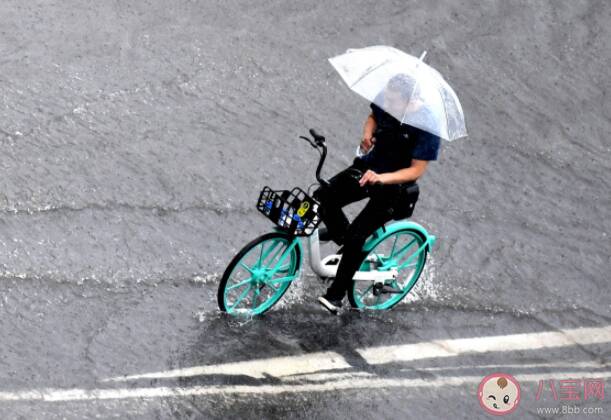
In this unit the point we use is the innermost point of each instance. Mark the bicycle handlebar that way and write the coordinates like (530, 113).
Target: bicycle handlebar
(318, 143)
(317, 137)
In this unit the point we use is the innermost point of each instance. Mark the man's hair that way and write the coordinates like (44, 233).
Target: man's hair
(403, 84)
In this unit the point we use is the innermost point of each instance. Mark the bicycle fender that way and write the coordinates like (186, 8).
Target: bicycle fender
(382, 232)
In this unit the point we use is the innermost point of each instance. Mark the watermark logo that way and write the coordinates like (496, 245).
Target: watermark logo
(570, 389)
(499, 393)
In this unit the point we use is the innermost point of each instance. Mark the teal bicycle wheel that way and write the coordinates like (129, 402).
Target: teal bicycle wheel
(259, 275)
(402, 250)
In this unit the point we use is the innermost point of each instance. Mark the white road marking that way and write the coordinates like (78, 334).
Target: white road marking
(276, 366)
(58, 395)
(325, 361)
(313, 366)
(505, 366)
(498, 343)
(325, 376)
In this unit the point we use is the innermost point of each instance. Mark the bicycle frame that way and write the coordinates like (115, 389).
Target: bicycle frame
(321, 267)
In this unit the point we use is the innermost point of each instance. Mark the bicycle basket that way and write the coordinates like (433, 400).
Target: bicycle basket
(293, 211)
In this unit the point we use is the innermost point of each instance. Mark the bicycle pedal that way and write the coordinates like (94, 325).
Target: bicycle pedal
(387, 289)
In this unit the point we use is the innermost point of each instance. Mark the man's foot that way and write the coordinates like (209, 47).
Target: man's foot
(330, 305)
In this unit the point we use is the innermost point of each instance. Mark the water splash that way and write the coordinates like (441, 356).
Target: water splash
(206, 278)
(426, 287)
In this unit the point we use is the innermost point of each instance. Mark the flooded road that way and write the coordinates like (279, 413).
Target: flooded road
(135, 138)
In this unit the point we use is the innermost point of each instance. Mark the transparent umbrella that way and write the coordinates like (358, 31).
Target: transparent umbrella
(405, 87)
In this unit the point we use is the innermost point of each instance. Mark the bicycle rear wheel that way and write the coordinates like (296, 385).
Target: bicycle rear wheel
(403, 250)
(251, 283)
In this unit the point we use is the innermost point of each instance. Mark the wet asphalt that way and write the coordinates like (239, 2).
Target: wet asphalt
(135, 137)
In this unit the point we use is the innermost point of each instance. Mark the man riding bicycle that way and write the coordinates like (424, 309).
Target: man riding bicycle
(386, 175)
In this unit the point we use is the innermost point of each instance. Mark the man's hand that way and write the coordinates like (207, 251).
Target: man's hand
(368, 130)
(370, 177)
(367, 142)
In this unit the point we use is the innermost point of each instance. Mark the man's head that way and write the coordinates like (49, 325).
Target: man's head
(397, 94)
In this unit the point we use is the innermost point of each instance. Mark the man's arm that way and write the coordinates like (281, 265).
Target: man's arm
(368, 130)
(398, 177)
(425, 150)
(406, 174)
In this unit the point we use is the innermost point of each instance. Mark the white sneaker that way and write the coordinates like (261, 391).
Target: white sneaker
(332, 306)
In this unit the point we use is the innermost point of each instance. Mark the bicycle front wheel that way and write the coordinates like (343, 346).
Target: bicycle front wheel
(259, 275)
(404, 251)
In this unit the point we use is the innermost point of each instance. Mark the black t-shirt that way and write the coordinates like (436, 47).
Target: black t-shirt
(397, 144)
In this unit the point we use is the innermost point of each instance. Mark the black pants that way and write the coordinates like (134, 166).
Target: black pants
(386, 202)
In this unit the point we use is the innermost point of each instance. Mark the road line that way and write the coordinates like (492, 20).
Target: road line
(276, 366)
(518, 366)
(325, 361)
(498, 343)
(59, 395)
(325, 376)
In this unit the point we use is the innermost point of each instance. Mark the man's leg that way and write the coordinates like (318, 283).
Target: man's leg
(374, 215)
(344, 189)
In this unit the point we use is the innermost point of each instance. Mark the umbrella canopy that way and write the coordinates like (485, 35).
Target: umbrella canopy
(405, 87)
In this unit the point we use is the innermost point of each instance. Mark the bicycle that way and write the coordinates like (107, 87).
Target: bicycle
(262, 271)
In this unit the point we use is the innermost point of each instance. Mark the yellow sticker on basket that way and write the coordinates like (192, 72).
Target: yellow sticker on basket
(303, 208)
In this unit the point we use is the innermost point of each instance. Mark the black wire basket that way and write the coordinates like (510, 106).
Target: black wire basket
(293, 211)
